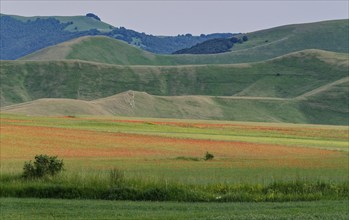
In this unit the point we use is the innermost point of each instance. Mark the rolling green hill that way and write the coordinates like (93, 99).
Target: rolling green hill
(284, 77)
(96, 49)
(314, 109)
(291, 80)
(262, 45)
(303, 87)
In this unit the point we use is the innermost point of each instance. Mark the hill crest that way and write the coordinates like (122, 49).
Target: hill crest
(262, 45)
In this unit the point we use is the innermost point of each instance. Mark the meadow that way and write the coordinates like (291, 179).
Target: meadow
(147, 159)
(172, 149)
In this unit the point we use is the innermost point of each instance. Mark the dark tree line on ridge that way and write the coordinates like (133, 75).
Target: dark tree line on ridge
(18, 38)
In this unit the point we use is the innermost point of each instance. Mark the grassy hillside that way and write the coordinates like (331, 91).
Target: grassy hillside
(262, 45)
(314, 109)
(309, 86)
(284, 77)
(95, 49)
(328, 106)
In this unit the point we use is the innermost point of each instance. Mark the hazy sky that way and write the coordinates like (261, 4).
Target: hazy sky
(180, 17)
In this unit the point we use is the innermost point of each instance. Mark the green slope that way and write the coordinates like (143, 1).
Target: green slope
(313, 109)
(95, 49)
(262, 45)
(328, 100)
(309, 86)
(284, 77)
(99, 49)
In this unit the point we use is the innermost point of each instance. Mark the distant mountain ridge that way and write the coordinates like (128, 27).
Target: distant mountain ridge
(261, 45)
(20, 36)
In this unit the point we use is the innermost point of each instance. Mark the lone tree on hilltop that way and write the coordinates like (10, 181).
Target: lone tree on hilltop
(91, 15)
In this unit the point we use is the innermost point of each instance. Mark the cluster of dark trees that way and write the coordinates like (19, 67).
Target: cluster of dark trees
(218, 45)
(19, 38)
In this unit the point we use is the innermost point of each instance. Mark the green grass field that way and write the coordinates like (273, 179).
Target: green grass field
(45, 209)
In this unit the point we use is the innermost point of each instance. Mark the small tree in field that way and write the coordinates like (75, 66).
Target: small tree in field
(208, 156)
(43, 165)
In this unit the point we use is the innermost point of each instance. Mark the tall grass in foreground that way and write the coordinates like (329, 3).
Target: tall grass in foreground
(113, 185)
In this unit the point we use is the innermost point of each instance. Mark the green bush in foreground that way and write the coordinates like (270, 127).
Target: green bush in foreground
(43, 165)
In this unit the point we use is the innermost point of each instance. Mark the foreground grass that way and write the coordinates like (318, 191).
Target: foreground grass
(13, 208)
(114, 186)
